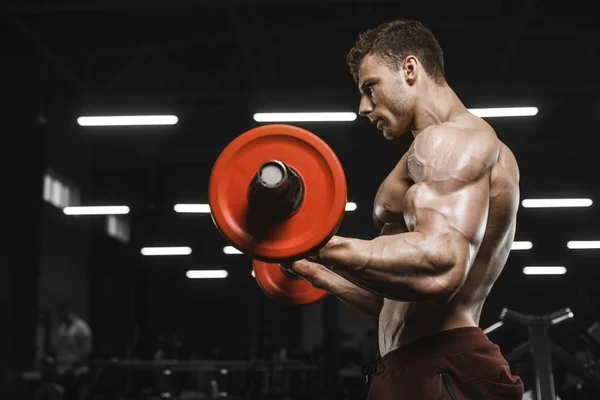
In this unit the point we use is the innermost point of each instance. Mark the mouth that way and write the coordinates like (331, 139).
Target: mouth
(379, 123)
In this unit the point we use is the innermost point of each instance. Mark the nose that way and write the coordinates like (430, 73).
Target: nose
(365, 107)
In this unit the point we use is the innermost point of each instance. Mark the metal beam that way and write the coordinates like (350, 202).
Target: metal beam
(61, 66)
(125, 69)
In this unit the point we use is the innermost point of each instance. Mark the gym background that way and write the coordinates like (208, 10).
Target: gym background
(213, 65)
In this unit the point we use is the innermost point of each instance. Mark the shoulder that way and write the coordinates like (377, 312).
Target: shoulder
(447, 138)
(82, 327)
(453, 146)
(452, 154)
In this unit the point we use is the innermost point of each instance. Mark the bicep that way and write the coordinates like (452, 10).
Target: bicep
(454, 218)
(453, 193)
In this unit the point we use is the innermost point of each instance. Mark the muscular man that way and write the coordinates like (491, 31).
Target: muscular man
(72, 344)
(447, 216)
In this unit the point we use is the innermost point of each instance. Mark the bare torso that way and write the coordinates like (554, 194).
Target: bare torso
(403, 322)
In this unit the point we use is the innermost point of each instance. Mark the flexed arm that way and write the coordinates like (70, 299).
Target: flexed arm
(449, 204)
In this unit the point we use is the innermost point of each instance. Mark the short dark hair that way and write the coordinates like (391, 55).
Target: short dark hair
(395, 40)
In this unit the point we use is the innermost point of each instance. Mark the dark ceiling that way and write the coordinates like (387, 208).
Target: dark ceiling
(216, 63)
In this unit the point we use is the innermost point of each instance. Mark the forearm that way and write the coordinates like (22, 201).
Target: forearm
(361, 299)
(403, 267)
(347, 292)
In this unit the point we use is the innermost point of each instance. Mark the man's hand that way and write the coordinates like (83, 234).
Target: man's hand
(331, 249)
(311, 271)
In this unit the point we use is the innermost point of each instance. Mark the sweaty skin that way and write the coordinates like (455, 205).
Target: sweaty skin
(446, 215)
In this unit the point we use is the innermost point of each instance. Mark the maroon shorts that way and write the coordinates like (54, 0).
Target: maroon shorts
(457, 364)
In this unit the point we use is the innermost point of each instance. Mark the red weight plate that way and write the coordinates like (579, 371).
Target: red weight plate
(285, 290)
(320, 213)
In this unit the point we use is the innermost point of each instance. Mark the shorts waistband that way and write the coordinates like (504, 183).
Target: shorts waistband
(439, 344)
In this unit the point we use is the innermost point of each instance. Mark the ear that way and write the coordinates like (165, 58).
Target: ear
(410, 69)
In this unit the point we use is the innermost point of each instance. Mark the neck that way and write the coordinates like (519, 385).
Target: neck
(436, 105)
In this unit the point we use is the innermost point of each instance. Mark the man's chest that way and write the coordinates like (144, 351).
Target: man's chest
(393, 201)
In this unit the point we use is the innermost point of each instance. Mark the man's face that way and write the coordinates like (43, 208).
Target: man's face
(386, 98)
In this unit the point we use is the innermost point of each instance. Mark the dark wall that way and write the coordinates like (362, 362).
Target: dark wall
(64, 262)
(113, 268)
(227, 318)
(21, 168)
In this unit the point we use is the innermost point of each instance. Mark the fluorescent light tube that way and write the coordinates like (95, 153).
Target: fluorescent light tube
(583, 244)
(350, 206)
(544, 270)
(504, 112)
(206, 274)
(96, 210)
(127, 120)
(521, 245)
(166, 251)
(192, 208)
(305, 117)
(231, 250)
(550, 203)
